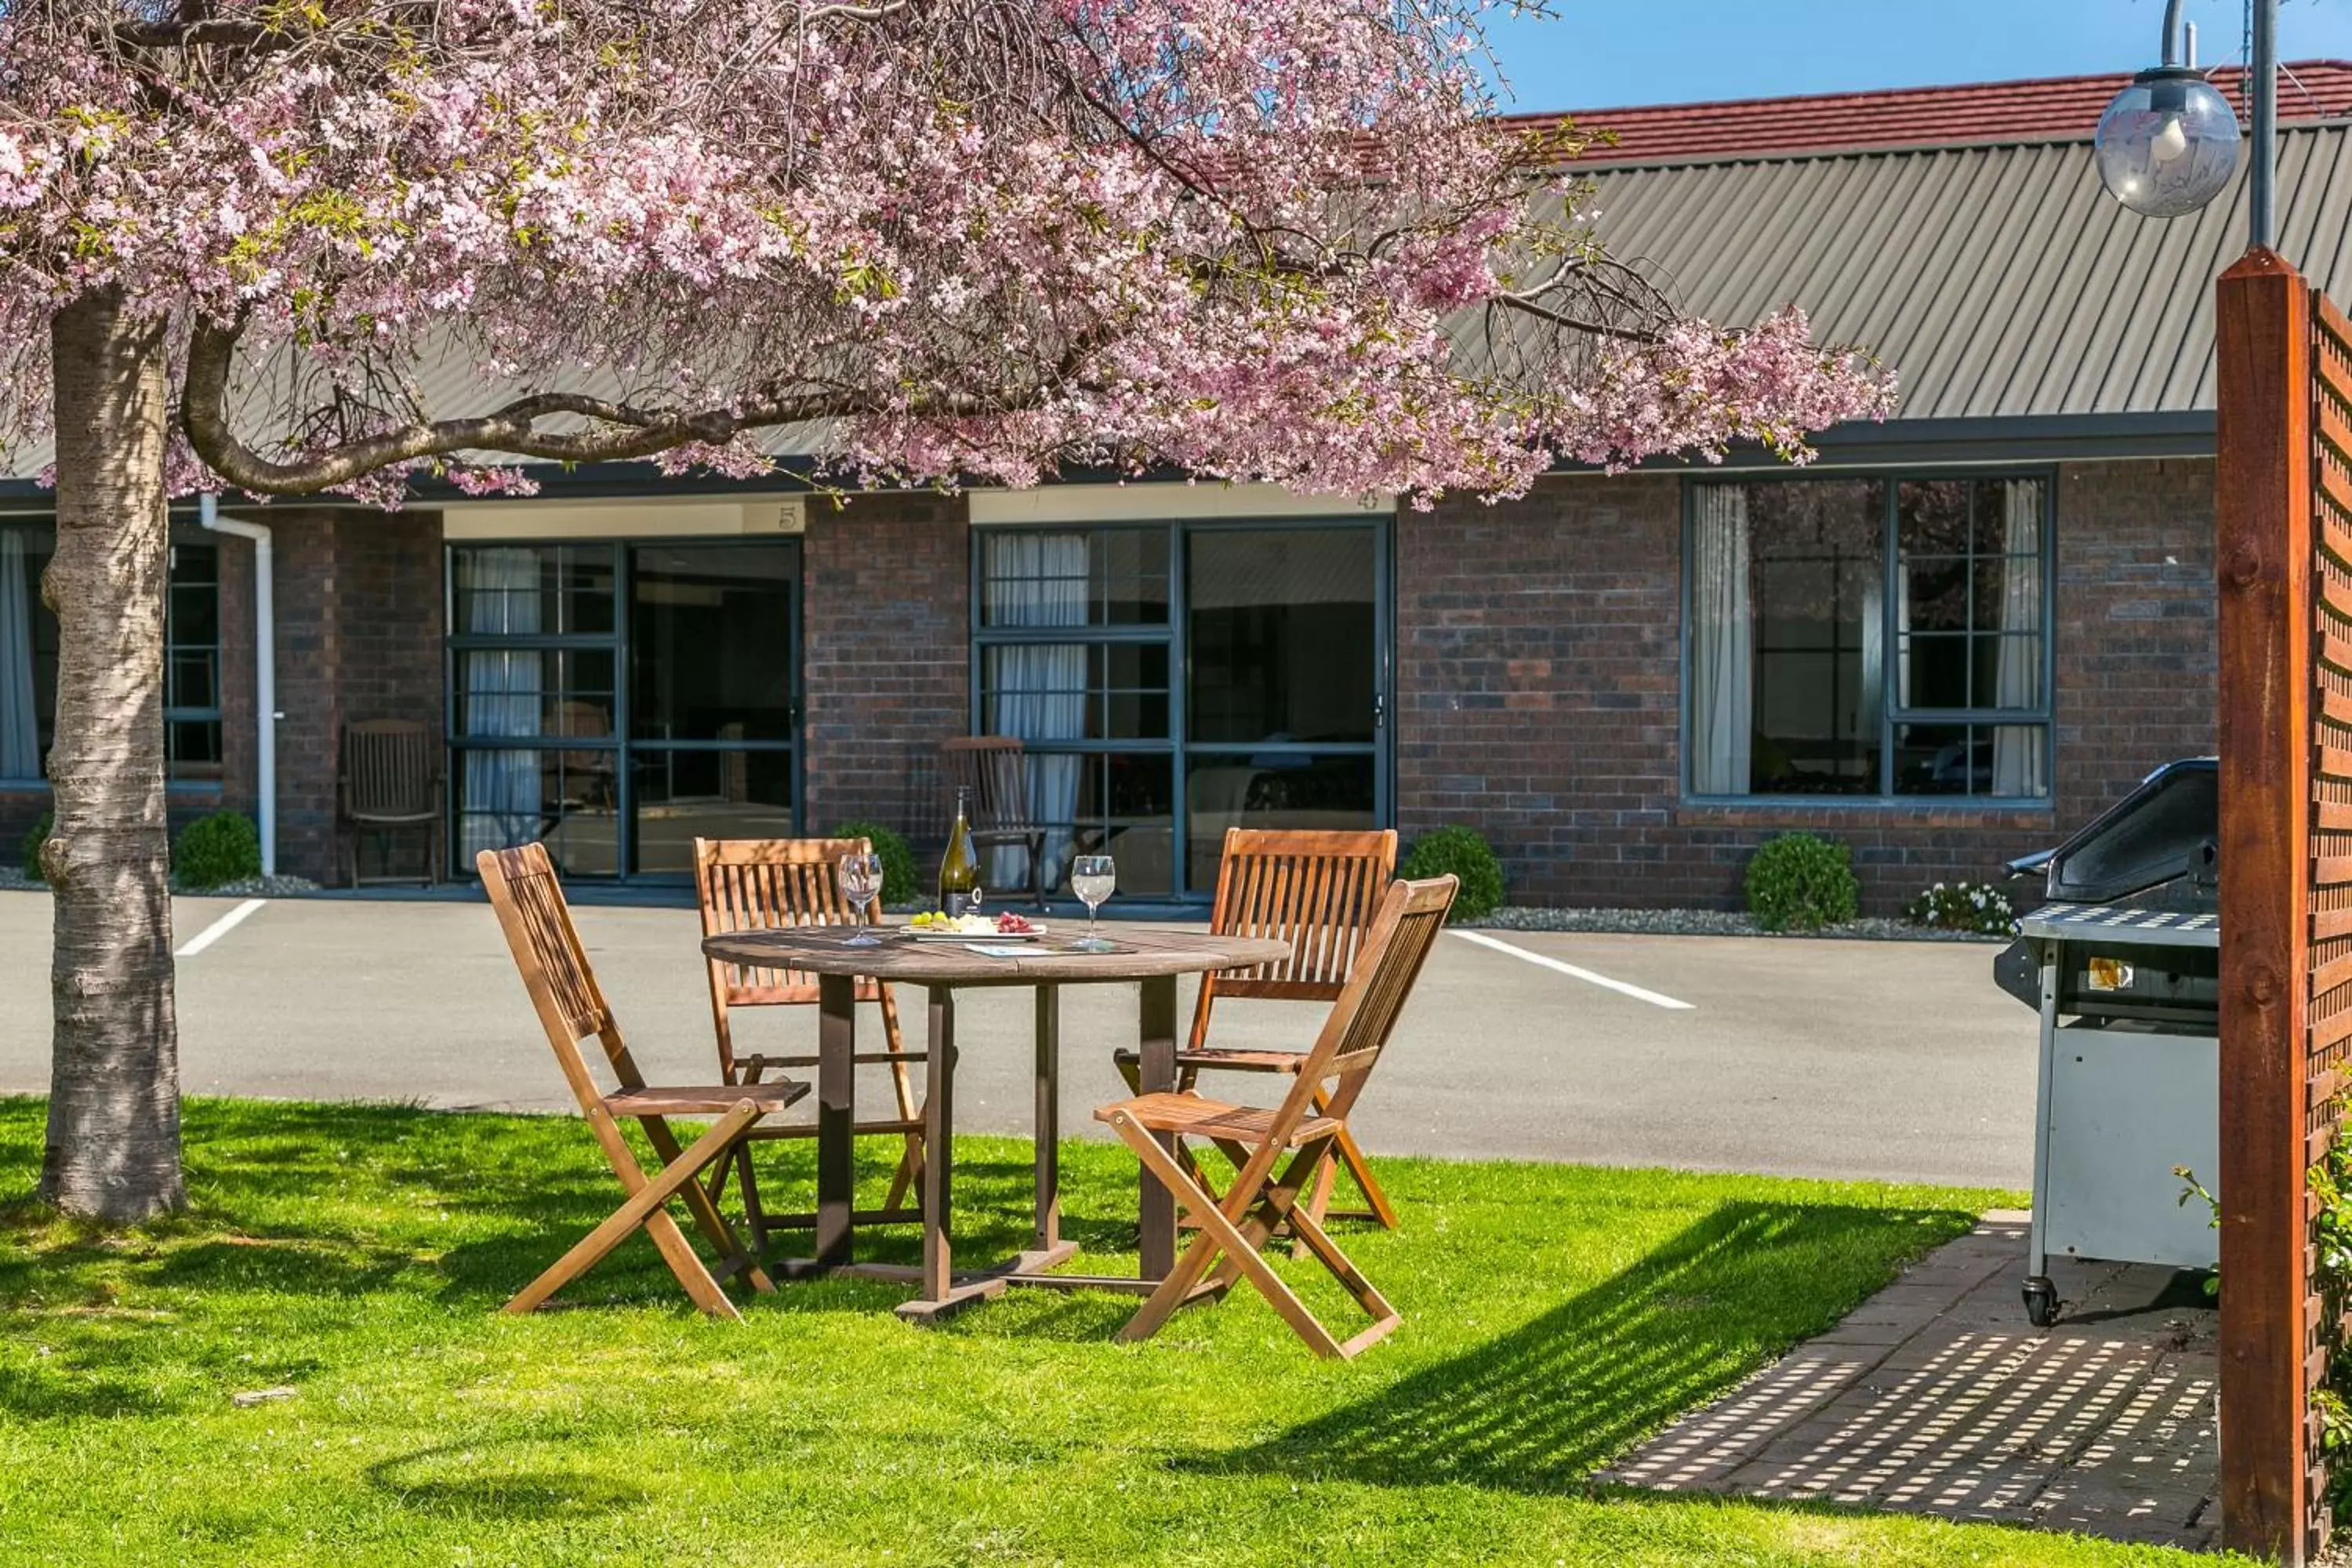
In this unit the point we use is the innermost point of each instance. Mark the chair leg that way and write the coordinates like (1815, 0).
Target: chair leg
(706, 1217)
(1218, 1236)
(644, 1208)
(1350, 1153)
(908, 1176)
(1315, 1239)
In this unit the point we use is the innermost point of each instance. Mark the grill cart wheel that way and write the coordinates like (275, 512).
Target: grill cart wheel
(2041, 1302)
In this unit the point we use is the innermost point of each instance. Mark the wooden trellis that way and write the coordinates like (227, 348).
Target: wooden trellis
(2285, 568)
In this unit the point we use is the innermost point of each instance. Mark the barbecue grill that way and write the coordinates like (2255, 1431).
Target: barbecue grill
(2124, 966)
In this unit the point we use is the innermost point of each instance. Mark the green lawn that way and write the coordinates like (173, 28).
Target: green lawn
(1554, 1315)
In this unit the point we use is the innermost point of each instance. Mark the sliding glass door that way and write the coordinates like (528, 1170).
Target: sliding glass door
(1282, 633)
(1171, 680)
(616, 701)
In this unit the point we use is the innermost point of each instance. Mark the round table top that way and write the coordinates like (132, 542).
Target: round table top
(1143, 954)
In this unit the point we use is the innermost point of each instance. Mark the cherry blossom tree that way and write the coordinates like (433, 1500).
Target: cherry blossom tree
(968, 240)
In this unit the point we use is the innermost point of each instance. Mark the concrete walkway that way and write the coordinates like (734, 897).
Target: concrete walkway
(1937, 1396)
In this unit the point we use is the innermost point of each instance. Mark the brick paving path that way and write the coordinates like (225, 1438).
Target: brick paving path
(1937, 1396)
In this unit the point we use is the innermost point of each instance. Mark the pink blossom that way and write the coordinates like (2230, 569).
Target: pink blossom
(972, 239)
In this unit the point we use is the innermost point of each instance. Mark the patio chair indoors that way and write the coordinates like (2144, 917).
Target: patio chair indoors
(1276, 1152)
(768, 884)
(995, 768)
(531, 911)
(392, 781)
(1318, 891)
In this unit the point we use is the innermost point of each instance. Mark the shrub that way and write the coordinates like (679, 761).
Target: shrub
(212, 851)
(900, 883)
(1465, 855)
(1964, 906)
(33, 842)
(1802, 882)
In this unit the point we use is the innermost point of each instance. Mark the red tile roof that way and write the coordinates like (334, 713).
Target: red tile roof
(2050, 108)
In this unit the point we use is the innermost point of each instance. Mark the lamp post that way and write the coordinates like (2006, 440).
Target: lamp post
(2167, 144)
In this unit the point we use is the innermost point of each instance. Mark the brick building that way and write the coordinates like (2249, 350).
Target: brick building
(1952, 640)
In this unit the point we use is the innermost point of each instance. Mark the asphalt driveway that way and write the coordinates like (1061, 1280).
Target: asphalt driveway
(1873, 1060)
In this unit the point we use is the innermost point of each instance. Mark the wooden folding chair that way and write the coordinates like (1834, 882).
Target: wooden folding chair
(1318, 891)
(767, 884)
(538, 926)
(1300, 1134)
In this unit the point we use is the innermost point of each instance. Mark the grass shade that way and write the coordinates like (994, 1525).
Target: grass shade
(357, 1256)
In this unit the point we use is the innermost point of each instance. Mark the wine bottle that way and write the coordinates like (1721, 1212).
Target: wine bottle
(959, 868)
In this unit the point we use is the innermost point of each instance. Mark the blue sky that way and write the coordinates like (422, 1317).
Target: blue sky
(1599, 54)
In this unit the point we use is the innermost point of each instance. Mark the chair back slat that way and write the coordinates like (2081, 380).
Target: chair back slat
(537, 920)
(773, 884)
(995, 770)
(1315, 891)
(1364, 1018)
(389, 767)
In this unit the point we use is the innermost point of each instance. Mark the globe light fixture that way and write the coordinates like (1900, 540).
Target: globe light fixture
(2168, 143)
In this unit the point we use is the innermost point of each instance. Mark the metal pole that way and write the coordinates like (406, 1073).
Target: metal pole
(2171, 54)
(2261, 98)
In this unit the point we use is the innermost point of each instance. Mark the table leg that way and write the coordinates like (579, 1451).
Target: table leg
(1048, 1209)
(836, 1116)
(1155, 1217)
(937, 1292)
(939, 1150)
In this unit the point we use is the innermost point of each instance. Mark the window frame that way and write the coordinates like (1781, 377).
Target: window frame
(622, 745)
(183, 713)
(1892, 717)
(179, 527)
(1177, 745)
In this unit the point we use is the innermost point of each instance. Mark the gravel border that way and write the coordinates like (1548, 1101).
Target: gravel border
(12, 879)
(1707, 922)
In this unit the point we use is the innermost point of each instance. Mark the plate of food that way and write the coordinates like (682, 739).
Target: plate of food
(1007, 927)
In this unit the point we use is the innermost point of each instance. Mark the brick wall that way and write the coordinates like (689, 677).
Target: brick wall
(886, 641)
(1537, 655)
(359, 615)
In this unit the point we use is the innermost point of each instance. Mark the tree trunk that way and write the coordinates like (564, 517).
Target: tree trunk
(114, 1086)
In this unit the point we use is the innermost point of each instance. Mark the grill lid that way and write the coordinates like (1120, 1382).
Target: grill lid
(2155, 849)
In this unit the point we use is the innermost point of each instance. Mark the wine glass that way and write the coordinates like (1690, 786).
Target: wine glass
(1094, 879)
(861, 883)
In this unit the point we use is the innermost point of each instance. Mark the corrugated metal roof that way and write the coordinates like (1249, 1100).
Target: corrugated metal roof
(1999, 281)
(1911, 117)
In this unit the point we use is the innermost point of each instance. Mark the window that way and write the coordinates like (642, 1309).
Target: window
(192, 700)
(616, 701)
(1882, 639)
(1172, 681)
(28, 658)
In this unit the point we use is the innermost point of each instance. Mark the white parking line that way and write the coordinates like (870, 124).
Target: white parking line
(1620, 987)
(220, 929)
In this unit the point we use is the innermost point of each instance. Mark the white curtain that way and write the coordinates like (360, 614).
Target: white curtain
(1040, 580)
(1723, 657)
(1870, 703)
(2018, 767)
(20, 729)
(503, 788)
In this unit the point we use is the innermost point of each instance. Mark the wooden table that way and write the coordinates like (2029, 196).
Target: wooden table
(1153, 958)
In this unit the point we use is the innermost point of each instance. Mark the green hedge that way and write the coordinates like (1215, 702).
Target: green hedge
(223, 847)
(32, 846)
(1802, 882)
(1463, 853)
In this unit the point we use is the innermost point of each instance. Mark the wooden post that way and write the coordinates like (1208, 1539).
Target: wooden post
(2263, 564)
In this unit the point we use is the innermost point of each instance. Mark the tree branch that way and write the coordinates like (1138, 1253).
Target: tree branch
(627, 431)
